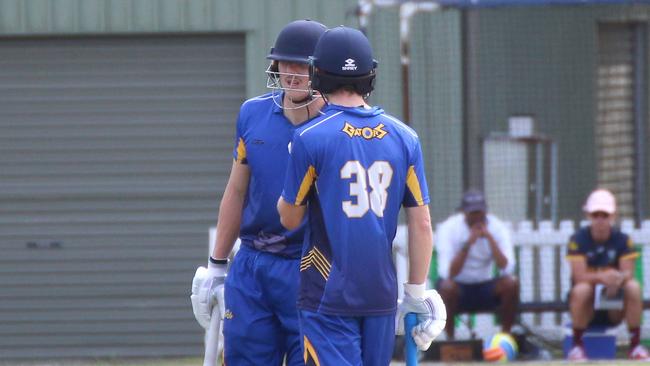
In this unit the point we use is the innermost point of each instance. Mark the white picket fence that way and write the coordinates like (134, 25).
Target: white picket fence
(543, 274)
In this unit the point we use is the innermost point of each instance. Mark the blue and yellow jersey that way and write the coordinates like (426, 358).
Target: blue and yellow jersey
(601, 255)
(355, 167)
(262, 143)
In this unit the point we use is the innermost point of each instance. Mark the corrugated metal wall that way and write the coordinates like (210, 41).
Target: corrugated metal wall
(116, 143)
(112, 153)
(260, 19)
(615, 115)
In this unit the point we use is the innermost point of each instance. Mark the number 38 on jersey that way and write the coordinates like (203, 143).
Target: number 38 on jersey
(377, 177)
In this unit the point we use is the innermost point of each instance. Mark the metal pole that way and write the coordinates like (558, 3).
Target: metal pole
(539, 181)
(553, 190)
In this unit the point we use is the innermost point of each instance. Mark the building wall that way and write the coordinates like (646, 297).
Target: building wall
(471, 69)
(542, 61)
(383, 31)
(436, 107)
(116, 126)
(114, 150)
(434, 94)
(260, 20)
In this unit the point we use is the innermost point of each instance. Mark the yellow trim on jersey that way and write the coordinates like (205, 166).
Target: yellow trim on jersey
(316, 259)
(310, 353)
(573, 257)
(632, 255)
(321, 263)
(413, 185)
(305, 186)
(311, 261)
(241, 151)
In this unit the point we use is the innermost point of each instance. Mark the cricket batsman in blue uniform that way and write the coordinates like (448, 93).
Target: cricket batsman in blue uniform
(349, 173)
(260, 324)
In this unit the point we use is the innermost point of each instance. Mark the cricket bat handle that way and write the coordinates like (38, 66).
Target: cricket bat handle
(410, 348)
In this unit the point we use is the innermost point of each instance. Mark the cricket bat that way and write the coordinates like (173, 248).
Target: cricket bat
(212, 339)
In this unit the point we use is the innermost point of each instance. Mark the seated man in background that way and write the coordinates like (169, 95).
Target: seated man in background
(469, 244)
(601, 254)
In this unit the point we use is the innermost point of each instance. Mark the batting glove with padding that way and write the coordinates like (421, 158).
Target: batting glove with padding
(430, 310)
(208, 292)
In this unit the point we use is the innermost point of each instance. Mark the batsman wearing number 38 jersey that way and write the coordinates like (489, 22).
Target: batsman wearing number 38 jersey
(350, 171)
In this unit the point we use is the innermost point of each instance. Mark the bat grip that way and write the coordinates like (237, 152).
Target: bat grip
(212, 338)
(410, 348)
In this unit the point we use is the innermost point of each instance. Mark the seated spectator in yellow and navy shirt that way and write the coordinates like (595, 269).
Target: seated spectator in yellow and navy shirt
(601, 254)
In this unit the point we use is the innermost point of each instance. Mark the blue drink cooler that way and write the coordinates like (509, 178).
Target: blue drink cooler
(600, 342)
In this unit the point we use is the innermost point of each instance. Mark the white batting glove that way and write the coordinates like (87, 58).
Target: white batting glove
(207, 292)
(197, 283)
(430, 310)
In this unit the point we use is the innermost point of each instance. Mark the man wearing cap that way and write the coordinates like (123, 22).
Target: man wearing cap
(601, 254)
(470, 244)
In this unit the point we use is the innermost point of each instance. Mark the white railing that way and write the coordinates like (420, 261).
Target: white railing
(540, 248)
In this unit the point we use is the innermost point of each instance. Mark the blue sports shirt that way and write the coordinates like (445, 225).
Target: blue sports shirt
(355, 167)
(262, 143)
(600, 256)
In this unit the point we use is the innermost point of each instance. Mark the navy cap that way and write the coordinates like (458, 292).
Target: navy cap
(473, 200)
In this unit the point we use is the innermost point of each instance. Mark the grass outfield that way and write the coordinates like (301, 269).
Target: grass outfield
(198, 362)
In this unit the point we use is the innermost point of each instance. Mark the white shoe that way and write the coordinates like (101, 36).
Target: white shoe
(577, 353)
(639, 353)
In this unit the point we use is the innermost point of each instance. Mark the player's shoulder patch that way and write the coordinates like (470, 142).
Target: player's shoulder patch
(582, 237)
(576, 248)
(573, 246)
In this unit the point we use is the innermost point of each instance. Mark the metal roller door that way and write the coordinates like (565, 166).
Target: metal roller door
(615, 117)
(113, 154)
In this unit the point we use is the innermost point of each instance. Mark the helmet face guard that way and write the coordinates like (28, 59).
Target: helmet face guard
(274, 79)
(274, 82)
(294, 44)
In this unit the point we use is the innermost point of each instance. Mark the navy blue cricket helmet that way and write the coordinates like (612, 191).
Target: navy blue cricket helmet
(343, 57)
(296, 41)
